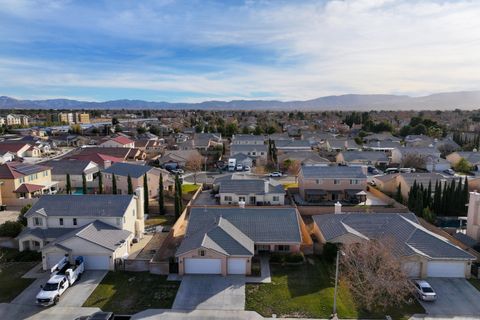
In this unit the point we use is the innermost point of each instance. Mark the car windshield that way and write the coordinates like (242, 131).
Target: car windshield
(50, 287)
(427, 289)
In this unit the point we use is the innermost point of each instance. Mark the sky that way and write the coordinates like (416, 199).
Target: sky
(197, 50)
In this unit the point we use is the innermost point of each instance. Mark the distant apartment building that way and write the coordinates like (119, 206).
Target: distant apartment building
(74, 117)
(16, 120)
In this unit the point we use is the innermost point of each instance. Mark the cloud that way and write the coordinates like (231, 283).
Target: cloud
(212, 50)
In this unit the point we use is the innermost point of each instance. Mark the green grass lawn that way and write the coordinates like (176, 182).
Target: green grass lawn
(475, 283)
(160, 220)
(190, 188)
(307, 291)
(131, 292)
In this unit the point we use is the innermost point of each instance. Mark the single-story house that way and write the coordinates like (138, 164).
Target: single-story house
(422, 252)
(224, 240)
(366, 158)
(251, 192)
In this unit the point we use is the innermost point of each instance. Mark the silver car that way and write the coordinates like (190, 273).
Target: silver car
(424, 290)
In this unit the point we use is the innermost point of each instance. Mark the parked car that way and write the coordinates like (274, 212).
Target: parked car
(424, 290)
(276, 174)
(239, 167)
(100, 315)
(247, 168)
(178, 171)
(449, 171)
(392, 170)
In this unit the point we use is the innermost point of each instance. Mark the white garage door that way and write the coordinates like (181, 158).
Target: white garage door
(203, 266)
(443, 269)
(237, 266)
(53, 259)
(413, 269)
(96, 262)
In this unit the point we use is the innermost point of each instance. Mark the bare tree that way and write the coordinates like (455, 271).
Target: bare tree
(414, 161)
(195, 164)
(374, 275)
(294, 167)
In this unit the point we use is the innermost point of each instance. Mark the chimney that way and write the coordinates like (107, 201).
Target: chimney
(139, 222)
(338, 207)
(266, 184)
(473, 216)
(107, 164)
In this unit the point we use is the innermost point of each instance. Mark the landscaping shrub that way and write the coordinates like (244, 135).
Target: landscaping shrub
(329, 252)
(21, 217)
(294, 257)
(10, 229)
(277, 258)
(13, 255)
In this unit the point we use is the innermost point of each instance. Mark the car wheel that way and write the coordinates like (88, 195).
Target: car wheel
(55, 300)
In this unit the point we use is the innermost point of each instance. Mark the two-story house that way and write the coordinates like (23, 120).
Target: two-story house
(332, 183)
(23, 182)
(248, 139)
(257, 152)
(118, 142)
(98, 227)
(136, 172)
(251, 192)
(76, 169)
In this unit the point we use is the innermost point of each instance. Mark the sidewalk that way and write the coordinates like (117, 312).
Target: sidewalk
(265, 276)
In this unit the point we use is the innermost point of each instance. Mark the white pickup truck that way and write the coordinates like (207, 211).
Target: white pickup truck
(63, 276)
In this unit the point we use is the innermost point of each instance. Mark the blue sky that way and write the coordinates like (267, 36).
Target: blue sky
(197, 50)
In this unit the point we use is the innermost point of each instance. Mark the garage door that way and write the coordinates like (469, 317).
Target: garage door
(203, 266)
(442, 269)
(237, 266)
(413, 269)
(53, 259)
(96, 262)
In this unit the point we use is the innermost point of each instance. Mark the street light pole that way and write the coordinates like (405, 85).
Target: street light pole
(334, 314)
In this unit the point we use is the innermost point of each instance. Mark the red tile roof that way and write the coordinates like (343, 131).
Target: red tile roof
(122, 140)
(98, 158)
(28, 188)
(12, 146)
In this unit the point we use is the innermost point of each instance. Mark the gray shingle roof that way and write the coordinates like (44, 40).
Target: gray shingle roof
(125, 169)
(408, 236)
(73, 167)
(333, 172)
(247, 186)
(96, 232)
(248, 147)
(364, 155)
(102, 205)
(425, 178)
(470, 156)
(279, 225)
(279, 144)
(49, 233)
(247, 137)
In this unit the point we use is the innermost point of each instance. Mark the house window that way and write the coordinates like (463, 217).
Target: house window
(74, 221)
(228, 198)
(37, 221)
(60, 221)
(318, 181)
(241, 199)
(201, 253)
(283, 248)
(22, 179)
(336, 181)
(353, 181)
(119, 221)
(276, 198)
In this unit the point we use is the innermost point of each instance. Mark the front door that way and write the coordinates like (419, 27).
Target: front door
(253, 200)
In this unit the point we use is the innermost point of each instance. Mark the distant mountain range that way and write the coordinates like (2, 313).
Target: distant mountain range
(438, 101)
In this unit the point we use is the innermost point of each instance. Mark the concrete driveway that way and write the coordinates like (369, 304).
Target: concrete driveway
(211, 292)
(75, 296)
(455, 297)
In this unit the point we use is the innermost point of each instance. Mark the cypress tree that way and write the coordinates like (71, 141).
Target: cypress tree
(145, 193)
(130, 185)
(161, 198)
(100, 184)
(114, 184)
(68, 185)
(398, 195)
(429, 195)
(178, 197)
(84, 183)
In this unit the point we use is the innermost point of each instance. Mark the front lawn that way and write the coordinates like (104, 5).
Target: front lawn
(13, 265)
(307, 291)
(190, 188)
(475, 283)
(131, 292)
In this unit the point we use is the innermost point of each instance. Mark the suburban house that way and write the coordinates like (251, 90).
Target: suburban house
(400, 153)
(248, 139)
(98, 227)
(18, 149)
(6, 156)
(332, 183)
(224, 240)
(177, 158)
(125, 154)
(23, 182)
(366, 158)
(390, 182)
(292, 145)
(422, 252)
(383, 146)
(137, 172)
(243, 159)
(472, 157)
(118, 142)
(258, 152)
(152, 147)
(75, 168)
(251, 192)
(303, 157)
(341, 144)
(382, 137)
(203, 141)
